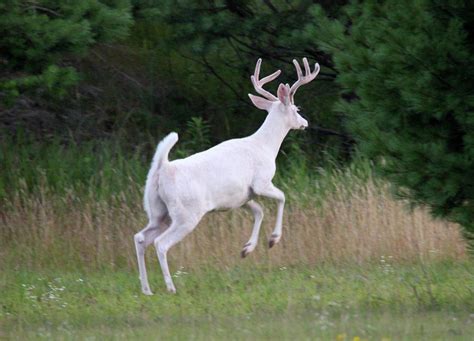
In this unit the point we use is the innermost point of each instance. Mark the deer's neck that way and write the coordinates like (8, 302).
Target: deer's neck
(272, 133)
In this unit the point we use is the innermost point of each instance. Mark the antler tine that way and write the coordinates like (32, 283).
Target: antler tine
(308, 77)
(259, 83)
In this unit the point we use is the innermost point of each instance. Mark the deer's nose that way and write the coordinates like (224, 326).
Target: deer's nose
(305, 117)
(305, 122)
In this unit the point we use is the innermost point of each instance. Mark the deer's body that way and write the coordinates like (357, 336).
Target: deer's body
(226, 176)
(221, 177)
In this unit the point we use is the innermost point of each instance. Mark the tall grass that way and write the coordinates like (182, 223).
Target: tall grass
(78, 208)
(101, 167)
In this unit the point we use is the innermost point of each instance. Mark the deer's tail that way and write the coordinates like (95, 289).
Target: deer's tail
(162, 151)
(159, 159)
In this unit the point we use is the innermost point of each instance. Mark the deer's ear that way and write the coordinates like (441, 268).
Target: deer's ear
(284, 94)
(260, 102)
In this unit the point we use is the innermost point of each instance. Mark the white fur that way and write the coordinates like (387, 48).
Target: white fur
(228, 175)
(161, 155)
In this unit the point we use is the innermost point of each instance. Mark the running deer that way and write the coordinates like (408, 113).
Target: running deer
(229, 175)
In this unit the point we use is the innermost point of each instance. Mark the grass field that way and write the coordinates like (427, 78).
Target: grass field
(353, 264)
(373, 302)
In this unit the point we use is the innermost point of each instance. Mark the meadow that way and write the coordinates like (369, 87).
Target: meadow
(353, 263)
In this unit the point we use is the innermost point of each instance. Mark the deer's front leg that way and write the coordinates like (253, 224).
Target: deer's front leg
(270, 191)
(258, 217)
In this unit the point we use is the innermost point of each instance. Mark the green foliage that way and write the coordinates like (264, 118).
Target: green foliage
(197, 135)
(222, 40)
(406, 70)
(179, 60)
(98, 168)
(38, 37)
(54, 80)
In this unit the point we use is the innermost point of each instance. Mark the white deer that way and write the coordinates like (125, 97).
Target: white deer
(179, 193)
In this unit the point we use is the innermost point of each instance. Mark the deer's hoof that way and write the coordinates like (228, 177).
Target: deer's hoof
(147, 292)
(273, 240)
(246, 250)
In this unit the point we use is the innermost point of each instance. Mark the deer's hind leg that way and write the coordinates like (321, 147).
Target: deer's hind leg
(182, 223)
(157, 224)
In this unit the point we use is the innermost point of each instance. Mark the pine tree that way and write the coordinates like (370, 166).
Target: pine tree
(407, 71)
(37, 36)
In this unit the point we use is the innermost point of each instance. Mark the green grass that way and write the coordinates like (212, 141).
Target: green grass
(433, 301)
(106, 168)
(101, 167)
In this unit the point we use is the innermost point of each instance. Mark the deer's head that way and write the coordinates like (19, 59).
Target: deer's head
(282, 106)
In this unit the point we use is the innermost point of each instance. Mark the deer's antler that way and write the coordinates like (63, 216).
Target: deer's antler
(258, 83)
(308, 77)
